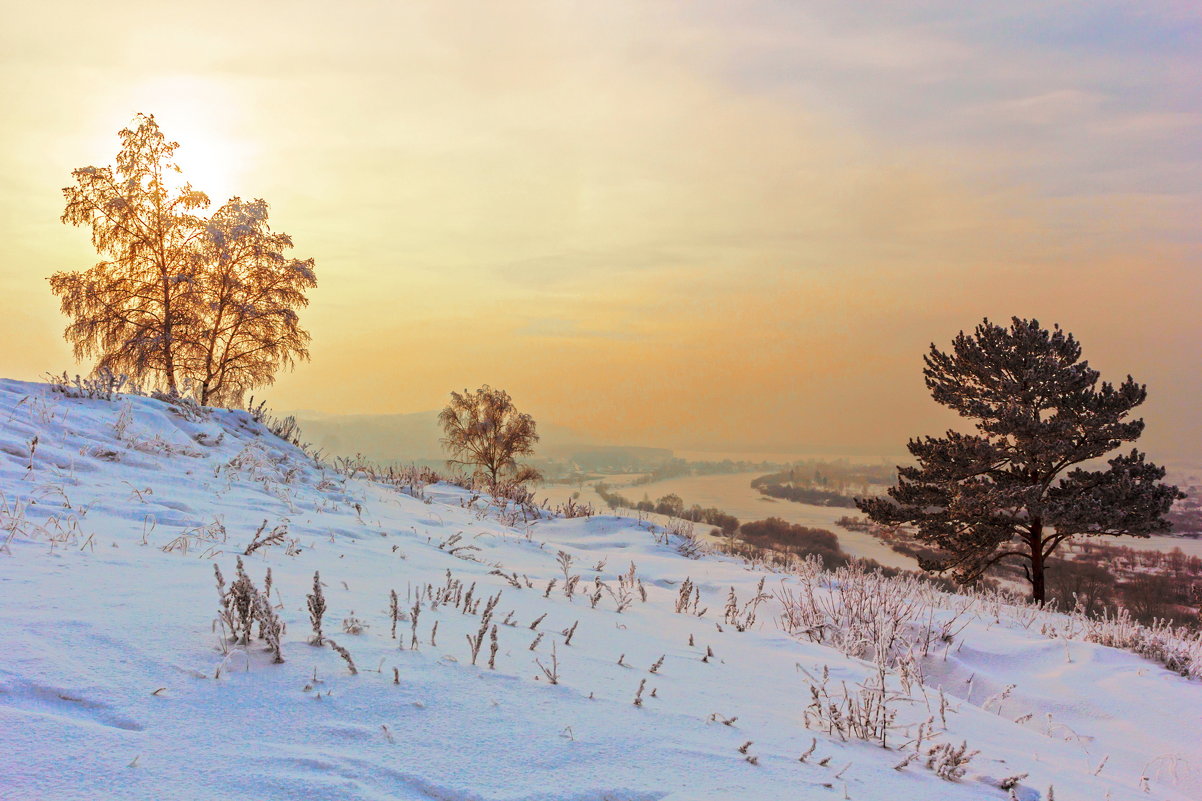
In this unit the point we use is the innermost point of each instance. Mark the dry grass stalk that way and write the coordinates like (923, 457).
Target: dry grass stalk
(511, 578)
(809, 752)
(345, 654)
(275, 537)
(552, 673)
(317, 608)
(638, 695)
(353, 625)
(565, 563)
(242, 605)
(474, 643)
(414, 614)
(271, 628)
(948, 761)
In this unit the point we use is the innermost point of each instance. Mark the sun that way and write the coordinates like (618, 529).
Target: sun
(208, 167)
(197, 113)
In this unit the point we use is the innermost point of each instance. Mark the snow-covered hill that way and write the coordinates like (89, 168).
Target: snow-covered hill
(118, 679)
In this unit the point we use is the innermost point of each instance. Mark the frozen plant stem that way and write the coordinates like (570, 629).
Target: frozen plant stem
(346, 655)
(552, 674)
(317, 608)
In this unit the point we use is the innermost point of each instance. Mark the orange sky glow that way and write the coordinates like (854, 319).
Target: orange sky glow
(726, 227)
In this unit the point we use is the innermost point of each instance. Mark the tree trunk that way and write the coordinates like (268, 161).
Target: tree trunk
(164, 268)
(1038, 590)
(169, 360)
(168, 350)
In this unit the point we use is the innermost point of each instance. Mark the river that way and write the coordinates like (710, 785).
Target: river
(733, 494)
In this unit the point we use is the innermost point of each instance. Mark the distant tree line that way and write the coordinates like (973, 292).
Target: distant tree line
(1149, 584)
(676, 468)
(824, 483)
(673, 468)
(774, 539)
(791, 538)
(817, 497)
(840, 475)
(671, 505)
(1186, 516)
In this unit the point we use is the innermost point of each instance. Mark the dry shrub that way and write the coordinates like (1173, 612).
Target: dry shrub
(242, 605)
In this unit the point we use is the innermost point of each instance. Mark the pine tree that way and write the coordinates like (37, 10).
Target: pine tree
(1013, 491)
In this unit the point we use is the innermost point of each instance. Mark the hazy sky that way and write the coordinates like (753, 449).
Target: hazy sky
(705, 225)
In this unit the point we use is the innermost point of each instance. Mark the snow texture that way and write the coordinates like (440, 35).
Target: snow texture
(116, 681)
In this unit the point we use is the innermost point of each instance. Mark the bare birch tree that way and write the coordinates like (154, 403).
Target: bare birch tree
(485, 430)
(213, 301)
(133, 310)
(247, 294)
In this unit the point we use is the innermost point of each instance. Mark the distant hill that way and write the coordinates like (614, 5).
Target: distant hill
(380, 437)
(414, 437)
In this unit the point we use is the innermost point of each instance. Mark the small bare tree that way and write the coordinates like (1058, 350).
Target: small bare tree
(484, 430)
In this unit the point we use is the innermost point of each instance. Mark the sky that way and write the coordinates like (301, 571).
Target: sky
(719, 226)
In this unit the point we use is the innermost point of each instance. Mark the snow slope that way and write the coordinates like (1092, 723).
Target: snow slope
(116, 682)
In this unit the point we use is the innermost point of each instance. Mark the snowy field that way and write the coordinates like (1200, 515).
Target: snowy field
(118, 679)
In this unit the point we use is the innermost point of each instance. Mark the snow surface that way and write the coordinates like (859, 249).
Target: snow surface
(115, 682)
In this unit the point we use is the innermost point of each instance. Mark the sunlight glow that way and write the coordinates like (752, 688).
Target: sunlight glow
(200, 114)
(727, 227)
